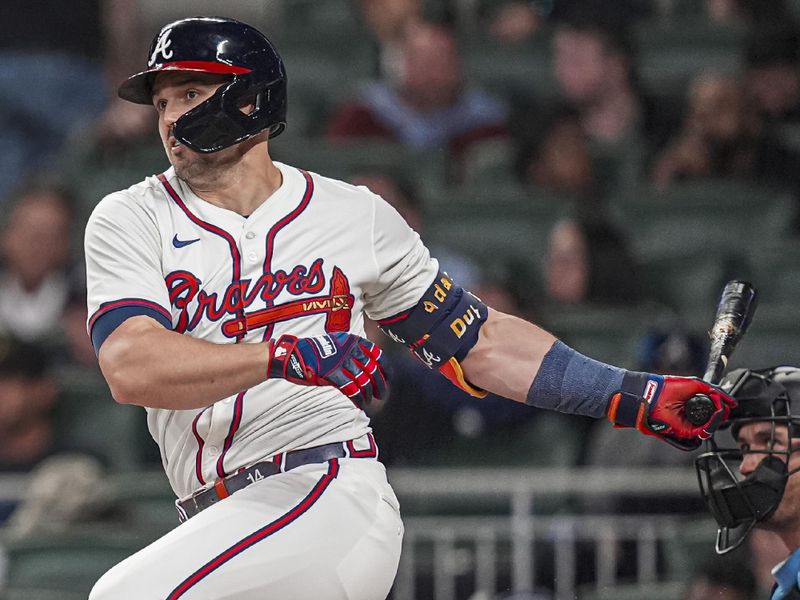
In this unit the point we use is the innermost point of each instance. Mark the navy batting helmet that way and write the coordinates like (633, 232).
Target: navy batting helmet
(221, 46)
(738, 503)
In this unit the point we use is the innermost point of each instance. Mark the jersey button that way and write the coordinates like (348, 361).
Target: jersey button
(252, 257)
(213, 450)
(250, 235)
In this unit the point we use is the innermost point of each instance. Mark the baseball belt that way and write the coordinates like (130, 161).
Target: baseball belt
(280, 463)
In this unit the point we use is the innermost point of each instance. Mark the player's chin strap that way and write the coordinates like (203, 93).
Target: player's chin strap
(441, 329)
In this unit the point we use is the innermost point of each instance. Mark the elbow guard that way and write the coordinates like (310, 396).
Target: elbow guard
(441, 329)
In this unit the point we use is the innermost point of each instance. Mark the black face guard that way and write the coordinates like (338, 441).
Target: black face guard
(218, 122)
(739, 503)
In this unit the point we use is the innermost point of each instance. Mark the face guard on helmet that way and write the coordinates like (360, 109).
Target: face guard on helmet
(737, 502)
(226, 47)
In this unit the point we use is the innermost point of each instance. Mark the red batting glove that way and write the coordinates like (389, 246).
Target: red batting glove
(656, 405)
(351, 363)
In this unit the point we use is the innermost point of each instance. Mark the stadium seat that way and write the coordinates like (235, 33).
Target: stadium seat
(344, 160)
(145, 498)
(718, 216)
(495, 225)
(34, 593)
(772, 339)
(655, 591)
(88, 419)
(690, 284)
(670, 55)
(775, 267)
(519, 70)
(609, 334)
(71, 562)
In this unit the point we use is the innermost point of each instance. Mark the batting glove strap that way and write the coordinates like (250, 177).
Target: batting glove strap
(284, 361)
(628, 406)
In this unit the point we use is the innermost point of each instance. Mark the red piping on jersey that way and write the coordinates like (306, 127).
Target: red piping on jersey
(235, 256)
(198, 460)
(371, 452)
(235, 422)
(286, 519)
(109, 306)
(395, 318)
(235, 280)
(273, 231)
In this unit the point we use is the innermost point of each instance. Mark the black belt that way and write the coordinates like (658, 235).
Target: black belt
(222, 488)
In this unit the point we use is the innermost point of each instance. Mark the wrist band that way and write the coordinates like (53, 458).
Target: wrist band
(570, 382)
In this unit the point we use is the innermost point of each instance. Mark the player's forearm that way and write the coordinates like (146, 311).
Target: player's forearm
(147, 365)
(508, 355)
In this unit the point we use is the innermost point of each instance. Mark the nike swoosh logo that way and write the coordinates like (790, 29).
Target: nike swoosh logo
(181, 243)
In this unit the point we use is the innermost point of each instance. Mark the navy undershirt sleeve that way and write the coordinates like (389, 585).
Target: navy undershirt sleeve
(107, 323)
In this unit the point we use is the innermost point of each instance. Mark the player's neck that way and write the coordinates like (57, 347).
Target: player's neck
(243, 186)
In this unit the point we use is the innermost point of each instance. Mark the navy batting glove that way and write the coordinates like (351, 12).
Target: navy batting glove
(351, 363)
(656, 405)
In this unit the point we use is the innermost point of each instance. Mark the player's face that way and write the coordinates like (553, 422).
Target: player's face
(174, 94)
(755, 439)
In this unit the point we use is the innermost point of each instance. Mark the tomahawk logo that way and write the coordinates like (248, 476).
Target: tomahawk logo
(162, 47)
(428, 358)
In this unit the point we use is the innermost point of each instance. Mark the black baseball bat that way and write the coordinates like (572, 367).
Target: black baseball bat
(734, 312)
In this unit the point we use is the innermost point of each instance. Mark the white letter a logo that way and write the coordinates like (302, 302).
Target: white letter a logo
(162, 47)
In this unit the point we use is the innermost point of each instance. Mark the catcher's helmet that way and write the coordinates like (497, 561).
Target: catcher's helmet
(737, 502)
(221, 46)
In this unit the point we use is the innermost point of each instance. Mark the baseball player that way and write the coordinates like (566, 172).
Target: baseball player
(746, 479)
(227, 297)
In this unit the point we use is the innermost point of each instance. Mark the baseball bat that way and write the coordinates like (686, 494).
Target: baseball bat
(735, 310)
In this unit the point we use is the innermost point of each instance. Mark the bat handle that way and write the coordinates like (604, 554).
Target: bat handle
(699, 409)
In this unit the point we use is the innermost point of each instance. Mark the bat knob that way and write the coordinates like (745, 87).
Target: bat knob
(699, 409)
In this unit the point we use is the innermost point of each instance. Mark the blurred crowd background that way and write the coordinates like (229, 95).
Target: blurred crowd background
(599, 167)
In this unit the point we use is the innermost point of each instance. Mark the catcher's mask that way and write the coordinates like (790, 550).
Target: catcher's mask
(224, 47)
(739, 502)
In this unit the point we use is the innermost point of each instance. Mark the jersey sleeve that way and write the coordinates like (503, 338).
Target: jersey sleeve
(403, 264)
(123, 267)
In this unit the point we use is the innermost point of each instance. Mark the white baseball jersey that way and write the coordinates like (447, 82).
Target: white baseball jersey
(316, 256)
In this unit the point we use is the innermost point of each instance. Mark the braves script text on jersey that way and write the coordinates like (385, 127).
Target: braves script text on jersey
(315, 257)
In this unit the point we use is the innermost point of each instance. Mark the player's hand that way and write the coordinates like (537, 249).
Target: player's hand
(351, 363)
(656, 405)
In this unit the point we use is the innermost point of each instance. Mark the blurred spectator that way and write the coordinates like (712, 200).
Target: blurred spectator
(517, 20)
(722, 578)
(35, 243)
(723, 136)
(671, 350)
(513, 21)
(747, 12)
(554, 153)
(405, 201)
(27, 399)
(588, 261)
(593, 61)
(55, 63)
(387, 21)
(772, 59)
(429, 105)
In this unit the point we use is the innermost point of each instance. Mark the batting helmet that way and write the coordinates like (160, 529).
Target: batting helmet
(738, 503)
(221, 46)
